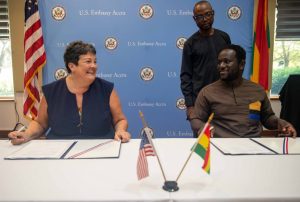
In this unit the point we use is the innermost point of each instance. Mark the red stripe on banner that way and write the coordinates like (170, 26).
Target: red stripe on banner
(264, 49)
(33, 48)
(261, 42)
(34, 92)
(30, 30)
(27, 105)
(33, 112)
(34, 68)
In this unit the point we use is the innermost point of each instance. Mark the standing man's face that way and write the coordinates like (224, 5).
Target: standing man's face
(228, 65)
(203, 16)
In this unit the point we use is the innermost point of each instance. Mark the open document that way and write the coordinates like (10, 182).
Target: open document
(67, 149)
(277, 144)
(89, 149)
(239, 146)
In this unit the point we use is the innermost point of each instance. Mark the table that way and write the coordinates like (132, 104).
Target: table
(233, 178)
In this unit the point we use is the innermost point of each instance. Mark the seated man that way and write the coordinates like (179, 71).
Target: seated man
(240, 106)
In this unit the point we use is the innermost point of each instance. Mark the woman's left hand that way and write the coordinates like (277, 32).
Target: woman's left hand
(124, 136)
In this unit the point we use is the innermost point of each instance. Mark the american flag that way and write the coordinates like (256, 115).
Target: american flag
(146, 149)
(35, 58)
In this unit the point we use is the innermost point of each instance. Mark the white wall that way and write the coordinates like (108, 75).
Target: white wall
(276, 105)
(8, 116)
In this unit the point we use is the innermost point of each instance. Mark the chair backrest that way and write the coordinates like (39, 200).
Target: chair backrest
(3, 134)
(269, 133)
(289, 97)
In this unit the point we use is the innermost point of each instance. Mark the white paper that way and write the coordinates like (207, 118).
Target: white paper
(276, 144)
(42, 149)
(103, 148)
(239, 146)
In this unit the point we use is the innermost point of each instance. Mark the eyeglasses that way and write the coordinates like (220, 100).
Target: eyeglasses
(209, 14)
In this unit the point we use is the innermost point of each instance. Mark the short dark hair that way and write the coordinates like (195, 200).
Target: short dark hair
(240, 52)
(74, 50)
(202, 2)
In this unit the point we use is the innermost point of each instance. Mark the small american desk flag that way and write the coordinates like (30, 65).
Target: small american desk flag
(35, 58)
(145, 150)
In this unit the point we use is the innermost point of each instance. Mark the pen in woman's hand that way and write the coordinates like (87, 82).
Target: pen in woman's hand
(21, 129)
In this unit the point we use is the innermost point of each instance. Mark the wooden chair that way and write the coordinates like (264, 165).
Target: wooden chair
(3, 134)
(269, 133)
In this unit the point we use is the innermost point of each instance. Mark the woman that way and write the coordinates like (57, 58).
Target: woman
(78, 106)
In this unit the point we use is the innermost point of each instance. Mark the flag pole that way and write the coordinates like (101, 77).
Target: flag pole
(150, 141)
(194, 147)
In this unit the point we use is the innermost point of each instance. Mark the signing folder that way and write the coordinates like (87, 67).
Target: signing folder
(277, 144)
(239, 146)
(67, 149)
(93, 149)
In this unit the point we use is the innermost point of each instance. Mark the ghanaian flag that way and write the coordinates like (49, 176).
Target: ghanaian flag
(261, 46)
(203, 149)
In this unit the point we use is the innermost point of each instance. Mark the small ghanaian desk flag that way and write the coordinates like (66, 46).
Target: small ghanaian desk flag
(203, 148)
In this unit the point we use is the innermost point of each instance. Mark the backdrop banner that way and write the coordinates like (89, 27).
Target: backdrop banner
(139, 48)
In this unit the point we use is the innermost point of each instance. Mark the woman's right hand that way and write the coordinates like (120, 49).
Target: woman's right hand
(17, 137)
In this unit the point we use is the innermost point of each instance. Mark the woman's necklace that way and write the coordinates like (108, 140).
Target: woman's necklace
(80, 119)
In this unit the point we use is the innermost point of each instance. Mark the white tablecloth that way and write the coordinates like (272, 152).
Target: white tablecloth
(232, 178)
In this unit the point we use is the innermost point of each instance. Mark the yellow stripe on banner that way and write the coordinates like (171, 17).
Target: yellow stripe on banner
(255, 73)
(204, 141)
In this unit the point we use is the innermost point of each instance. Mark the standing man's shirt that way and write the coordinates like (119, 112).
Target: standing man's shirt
(199, 63)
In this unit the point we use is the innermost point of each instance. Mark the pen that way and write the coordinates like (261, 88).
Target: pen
(21, 129)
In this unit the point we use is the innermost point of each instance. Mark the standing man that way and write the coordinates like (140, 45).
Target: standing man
(199, 58)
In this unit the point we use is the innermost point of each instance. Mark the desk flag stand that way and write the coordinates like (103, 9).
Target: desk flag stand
(171, 186)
